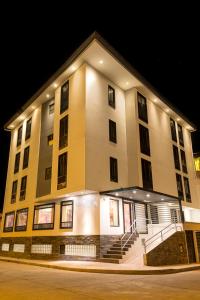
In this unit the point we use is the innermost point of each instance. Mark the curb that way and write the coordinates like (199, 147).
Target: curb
(105, 271)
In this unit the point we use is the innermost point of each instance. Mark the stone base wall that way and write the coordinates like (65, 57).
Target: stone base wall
(171, 252)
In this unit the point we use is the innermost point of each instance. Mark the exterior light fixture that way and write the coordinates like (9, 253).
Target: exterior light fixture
(155, 100)
(134, 192)
(47, 95)
(21, 118)
(167, 110)
(148, 195)
(116, 194)
(73, 68)
(178, 119)
(55, 85)
(127, 83)
(162, 199)
(101, 62)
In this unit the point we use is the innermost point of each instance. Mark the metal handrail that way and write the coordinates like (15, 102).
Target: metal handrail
(133, 231)
(160, 234)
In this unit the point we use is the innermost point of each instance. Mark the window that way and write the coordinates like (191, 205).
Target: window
(26, 157)
(147, 174)
(9, 221)
(175, 215)
(19, 136)
(17, 161)
(64, 101)
(154, 214)
(21, 219)
(176, 158)
(114, 213)
(173, 130)
(28, 129)
(180, 135)
(50, 139)
(44, 216)
(63, 137)
(23, 188)
(14, 192)
(142, 108)
(179, 186)
(111, 96)
(48, 173)
(66, 214)
(112, 131)
(51, 108)
(113, 169)
(187, 189)
(183, 161)
(144, 140)
(62, 171)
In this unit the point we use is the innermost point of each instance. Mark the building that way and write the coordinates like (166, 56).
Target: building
(100, 164)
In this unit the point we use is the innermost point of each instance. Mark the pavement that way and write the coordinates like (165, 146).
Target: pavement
(106, 268)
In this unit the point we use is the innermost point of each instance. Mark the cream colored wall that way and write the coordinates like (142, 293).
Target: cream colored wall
(98, 147)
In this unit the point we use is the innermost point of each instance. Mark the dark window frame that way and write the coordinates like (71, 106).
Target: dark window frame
(147, 182)
(17, 165)
(63, 138)
(9, 229)
(26, 157)
(19, 136)
(173, 130)
(177, 165)
(46, 176)
(28, 129)
(60, 182)
(44, 226)
(144, 140)
(183, 161)
(112, 131)
(67, 203)
(180, 135)
(24, 227)
(14, 195)
(180, 191)
(142, 108)
(51, 107)
(111, 100)
(187, 186)
(113, 169)
(22, 195)
(64, 98)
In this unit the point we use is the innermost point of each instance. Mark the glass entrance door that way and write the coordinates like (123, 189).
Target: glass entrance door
(127, 207)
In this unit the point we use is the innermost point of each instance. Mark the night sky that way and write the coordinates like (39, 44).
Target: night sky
(161, 43)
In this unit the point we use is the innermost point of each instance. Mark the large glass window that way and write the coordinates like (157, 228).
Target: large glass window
(183, 161)
(173, 130)
(17, 161)
(144, 140)
(180, 135)
(62, 171)
(9, 221)
(112, 131)
(179, 186)
(187, 189)
(66, 216)
(44, 216)
(114, 212)
(28, 129)
(63, 137)
(64, 100)
(176, 158)
(142, 108)
(23, 188)
(147, 174)
(26, 157)
(19, 136)
(111, 96)
(113, 169)
(21, 220)
(14, 192)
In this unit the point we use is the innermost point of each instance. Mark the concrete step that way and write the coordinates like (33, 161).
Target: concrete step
(118, 256)
(109, 260)
(119, 248)
(119, 245)
(116, 252)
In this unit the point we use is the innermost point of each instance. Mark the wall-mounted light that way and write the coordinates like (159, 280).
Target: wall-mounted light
(55, 85)
(178, 119)
(101, 62)
(47, 95)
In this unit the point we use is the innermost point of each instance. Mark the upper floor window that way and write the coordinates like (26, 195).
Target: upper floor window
(28, 129)
(64, 99)
(23, 188)
(14, 192)
(26, 157)
(173, 130)
(17, 161)
(9, 221)
(66, 217)
(62, 171)
(187, 189)
(51, 108)
(111, 96)
(21, 219)
(176, 158)
(44, 216)
(180, 135)
(147, 174)
(183, 161)
(114, 213)
(112, 131)
(63, 136)
(179, 186)
(113, 169)
(19, 136)
(142, 108)
(50, 139)
(144, 140)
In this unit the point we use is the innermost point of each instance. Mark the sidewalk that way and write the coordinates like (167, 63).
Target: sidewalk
(106, 268)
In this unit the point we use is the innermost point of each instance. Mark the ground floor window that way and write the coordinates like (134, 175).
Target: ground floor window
(21, 219)
(44, 216)
(66, 214)
(9, 221)
(114, 212)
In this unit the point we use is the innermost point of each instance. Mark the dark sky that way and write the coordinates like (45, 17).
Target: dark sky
(160, 42)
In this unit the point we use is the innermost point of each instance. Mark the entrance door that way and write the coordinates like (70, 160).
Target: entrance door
(127, 207)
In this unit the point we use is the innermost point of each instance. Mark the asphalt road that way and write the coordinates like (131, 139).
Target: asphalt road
(23, 282)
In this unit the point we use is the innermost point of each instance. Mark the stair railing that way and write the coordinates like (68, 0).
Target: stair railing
(128, 235)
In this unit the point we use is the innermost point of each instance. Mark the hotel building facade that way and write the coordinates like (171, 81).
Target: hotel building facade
(101, 168)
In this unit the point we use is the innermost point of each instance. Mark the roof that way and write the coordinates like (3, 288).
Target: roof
(96, 36)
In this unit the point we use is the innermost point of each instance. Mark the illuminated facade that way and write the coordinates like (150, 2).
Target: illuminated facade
(95, 154)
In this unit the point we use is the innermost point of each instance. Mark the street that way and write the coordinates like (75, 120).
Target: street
(22, 282)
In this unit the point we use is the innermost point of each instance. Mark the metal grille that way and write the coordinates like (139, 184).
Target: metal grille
(41, 249)
(80, 250)
(5, 247)
(19, 248)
